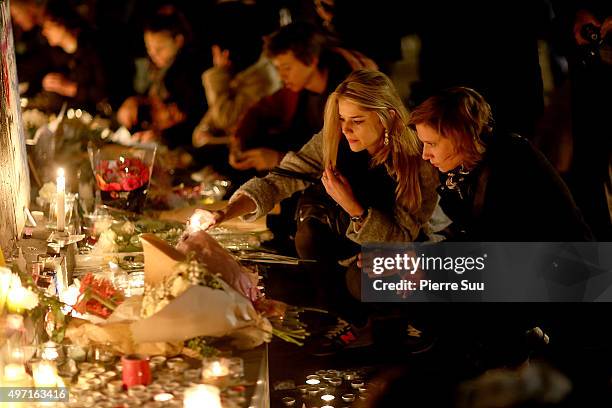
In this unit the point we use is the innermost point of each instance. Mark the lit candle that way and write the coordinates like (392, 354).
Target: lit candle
(327, 397)
(5, 283)
(15, 301)
(60, 200)
(16, 376)
(216, 371)
(163, 397)
(14, 322)
(44, 373)
(202, 395)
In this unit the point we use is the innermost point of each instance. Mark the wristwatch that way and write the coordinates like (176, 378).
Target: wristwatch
(359, 218)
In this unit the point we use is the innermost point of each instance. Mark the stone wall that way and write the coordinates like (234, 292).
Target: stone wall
(14, 177)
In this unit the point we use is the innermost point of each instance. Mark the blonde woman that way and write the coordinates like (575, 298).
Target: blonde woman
(369, 163)
(374, 188)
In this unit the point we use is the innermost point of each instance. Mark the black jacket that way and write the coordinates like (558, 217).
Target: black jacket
(513, 194)
(184, 85)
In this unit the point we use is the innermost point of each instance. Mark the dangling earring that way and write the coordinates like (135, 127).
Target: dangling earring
(386, 140)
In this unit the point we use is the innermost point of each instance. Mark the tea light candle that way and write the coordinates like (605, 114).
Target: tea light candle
(356, 384)
(44, 373)
(16, 376)
(215, 372)
(163, 397)
(289, 401)
(61, 200)
(348, 397)
(202, 395)
(335, 381)
(327, 397)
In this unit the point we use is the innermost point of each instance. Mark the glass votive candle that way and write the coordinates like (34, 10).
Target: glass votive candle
(333, 373)
(362, 389)
(303, 389)
(327, 377)
(363, 396)
(288, 401)
(349, 375)
(321, 373)
(216, 371)
(313, 391)
(236, 365)
(348, 397)
(356, 384)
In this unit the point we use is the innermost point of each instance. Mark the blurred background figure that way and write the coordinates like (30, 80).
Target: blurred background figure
(75, 73)
(32, 51)
(174, 102)
(586, 33)
(239, 78)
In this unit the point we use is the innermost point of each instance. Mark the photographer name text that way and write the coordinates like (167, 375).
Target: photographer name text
(428, 285)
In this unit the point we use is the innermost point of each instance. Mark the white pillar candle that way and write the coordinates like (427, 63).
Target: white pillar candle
(202, 396)
(61, 200)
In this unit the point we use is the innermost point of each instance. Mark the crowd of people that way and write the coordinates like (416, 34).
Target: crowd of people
(306, 113)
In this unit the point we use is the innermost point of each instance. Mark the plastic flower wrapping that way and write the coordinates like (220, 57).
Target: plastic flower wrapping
(187, 298)
(196, 290)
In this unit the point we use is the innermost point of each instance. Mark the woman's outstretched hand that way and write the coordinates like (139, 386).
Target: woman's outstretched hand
(205, 219)
(338, 188)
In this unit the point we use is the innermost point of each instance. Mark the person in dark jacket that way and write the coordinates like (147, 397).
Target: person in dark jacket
(76, 74)
(310, 67)
(175, 101)
(494, 186)
(32, 50)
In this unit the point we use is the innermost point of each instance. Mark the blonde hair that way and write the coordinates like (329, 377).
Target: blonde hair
(373, 91)
(461, 114)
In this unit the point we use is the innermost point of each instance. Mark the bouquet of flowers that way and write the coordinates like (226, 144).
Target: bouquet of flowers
(97, 297)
